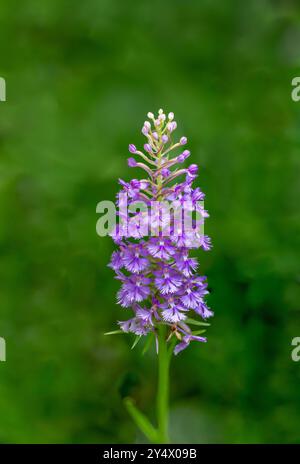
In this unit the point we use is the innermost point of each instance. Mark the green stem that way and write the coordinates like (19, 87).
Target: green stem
(141, 421)
(163, 387)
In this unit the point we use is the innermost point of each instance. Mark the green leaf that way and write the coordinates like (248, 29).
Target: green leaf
(114, 332)
(141, 421)
(198, 332)
(193, 321)
(148, 343)
(172, 344)
(137, 339)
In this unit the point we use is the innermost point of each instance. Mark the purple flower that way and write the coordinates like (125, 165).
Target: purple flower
(160, 247)
(167, 280)
(116, 261)
(193, 169)
(186, 264)
(205, 242)
(186, 341)
(134, 259)
(134, 325)
(144, 315)
(173, 310)
(132, 189)
(203, 310)
(191, 298)
(173, 314)
(157, 272)
(133, 290)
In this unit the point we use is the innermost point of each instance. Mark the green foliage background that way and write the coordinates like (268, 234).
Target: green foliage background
(80, 78)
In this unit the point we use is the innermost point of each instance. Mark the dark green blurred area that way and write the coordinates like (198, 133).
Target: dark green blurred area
(81, 77)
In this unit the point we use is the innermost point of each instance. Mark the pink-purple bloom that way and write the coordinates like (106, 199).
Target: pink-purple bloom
(158, 275)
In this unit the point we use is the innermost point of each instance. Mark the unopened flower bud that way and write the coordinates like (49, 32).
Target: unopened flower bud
(146, 127)
(147, 147)
(132, 148)
(131, 162)
(165, 172)
(165, 138)
(171, 126)
(171, 116)
(155, 135)
(186, 154)
(183, 141)
(150, 115)
(144, 184)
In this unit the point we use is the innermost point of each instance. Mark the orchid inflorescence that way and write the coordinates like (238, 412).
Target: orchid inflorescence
(158, 275)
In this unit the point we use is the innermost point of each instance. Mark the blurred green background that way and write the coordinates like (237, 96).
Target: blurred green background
(81, 77)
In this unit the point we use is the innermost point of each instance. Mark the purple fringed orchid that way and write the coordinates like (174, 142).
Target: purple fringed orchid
(153, 263)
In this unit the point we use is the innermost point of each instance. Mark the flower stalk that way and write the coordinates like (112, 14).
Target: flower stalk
(164, 358)
(158, 275)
